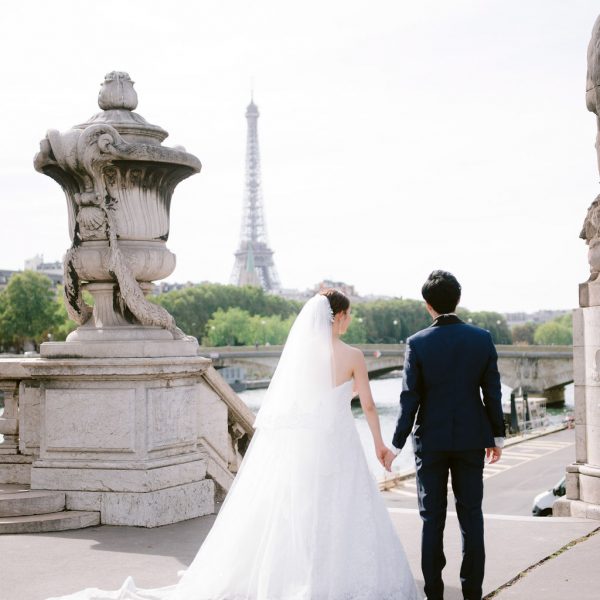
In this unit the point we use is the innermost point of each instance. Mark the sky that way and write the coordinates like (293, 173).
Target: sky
(396, 137)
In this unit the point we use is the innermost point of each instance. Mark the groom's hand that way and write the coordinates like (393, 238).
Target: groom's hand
(495, 454)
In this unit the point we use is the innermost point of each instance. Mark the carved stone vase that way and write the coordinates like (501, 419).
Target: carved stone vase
(118, 180)
(115, 409)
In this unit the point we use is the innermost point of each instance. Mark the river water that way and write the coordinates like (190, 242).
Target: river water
(386, 393)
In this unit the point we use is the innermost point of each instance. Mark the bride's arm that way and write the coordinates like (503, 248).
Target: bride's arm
(361, 384)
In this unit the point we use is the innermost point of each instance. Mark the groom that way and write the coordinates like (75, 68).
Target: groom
(452, 386)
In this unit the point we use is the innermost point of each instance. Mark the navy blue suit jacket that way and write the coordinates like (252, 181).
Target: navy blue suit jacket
(451, 385)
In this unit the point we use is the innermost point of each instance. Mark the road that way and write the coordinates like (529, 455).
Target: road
(524, 470)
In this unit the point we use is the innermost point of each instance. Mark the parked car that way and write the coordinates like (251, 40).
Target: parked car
(542, 503)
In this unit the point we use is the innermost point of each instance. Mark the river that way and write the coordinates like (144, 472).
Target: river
(386, 393)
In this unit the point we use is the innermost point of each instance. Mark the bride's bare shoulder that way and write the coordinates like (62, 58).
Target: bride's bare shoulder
(351, 351)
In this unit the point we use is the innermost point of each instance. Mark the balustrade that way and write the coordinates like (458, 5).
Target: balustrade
(9, 419)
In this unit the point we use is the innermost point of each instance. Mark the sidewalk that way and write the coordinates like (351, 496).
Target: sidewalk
(513, 545)
(37, 566)
(528, 558)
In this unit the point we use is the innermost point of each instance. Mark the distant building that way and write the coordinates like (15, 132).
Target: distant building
(538, 317)
(4, 277)
(163, 287)
(53, 270)
(303, 295)
(345, 288)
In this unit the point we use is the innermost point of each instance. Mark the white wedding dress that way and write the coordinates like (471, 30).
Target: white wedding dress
(304, 519)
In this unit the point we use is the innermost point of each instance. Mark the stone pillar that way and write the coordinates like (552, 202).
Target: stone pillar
(118, 400)
(583, 476)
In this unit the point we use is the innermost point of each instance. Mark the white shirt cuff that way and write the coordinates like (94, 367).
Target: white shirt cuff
(395, 450)
(499, 441)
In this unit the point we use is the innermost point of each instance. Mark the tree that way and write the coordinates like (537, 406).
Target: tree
(389, 321)
(357, 332)
(65, 325)
(193, 307)
(523, 334)
(237, 327)
(28, 309)
(557, 332)
(494, 322)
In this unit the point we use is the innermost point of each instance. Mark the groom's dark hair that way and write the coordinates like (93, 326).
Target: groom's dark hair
(441, 291)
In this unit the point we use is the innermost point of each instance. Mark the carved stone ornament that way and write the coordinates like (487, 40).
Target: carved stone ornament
(591, 226)
(118, 180)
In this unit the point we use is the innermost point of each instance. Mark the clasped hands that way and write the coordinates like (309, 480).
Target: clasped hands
(385, 457)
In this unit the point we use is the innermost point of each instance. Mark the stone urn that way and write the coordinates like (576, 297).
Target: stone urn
(118, 179)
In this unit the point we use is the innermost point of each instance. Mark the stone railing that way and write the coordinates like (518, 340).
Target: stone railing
(225, 425)
(223, 452)
(9, 421)
(14, 465)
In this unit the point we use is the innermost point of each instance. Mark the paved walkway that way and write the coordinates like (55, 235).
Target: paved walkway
(548, 558)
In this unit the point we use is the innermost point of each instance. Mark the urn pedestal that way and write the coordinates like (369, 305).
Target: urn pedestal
(117, 403)
(120, 436)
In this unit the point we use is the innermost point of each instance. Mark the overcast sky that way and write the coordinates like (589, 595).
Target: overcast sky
(396, 137)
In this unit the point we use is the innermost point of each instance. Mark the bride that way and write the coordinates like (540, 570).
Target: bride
(303, 519)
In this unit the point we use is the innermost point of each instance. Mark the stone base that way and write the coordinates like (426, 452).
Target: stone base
(148, 509)
(589, 294)
(107, 477)
(564, 507)
(15, 468)
(109, 347)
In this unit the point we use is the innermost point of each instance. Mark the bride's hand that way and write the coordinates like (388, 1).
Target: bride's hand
(389, 459)
(381, 450)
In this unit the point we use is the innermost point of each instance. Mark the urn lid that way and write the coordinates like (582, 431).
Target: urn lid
(118, 99)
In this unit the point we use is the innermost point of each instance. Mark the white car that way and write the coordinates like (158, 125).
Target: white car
(542, 503)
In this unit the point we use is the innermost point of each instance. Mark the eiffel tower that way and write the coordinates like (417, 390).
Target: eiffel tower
(254, 263)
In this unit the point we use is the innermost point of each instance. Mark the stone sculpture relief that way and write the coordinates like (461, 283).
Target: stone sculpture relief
(591, 226)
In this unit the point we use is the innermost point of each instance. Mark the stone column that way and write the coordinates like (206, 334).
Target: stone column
(583, 476)
(117, 402)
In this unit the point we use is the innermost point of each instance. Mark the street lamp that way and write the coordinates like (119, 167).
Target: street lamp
(264, 328)
(395, 322)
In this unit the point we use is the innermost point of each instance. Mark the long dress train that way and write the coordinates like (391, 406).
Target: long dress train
(304, 520)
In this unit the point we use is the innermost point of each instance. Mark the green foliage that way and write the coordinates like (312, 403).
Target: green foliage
(378, 322)
(524, 334)
(494, 322)
(557, 332)
(357, 332)
(237, 327)
(28, 310)
(65, 325)
(391, 321)
(193, 307)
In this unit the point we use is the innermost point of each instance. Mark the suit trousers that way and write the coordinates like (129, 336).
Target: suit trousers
(466, 470)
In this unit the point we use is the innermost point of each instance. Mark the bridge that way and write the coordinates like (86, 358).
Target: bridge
(544, 370)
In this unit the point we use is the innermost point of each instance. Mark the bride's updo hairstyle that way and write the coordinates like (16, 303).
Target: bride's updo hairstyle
(338, 301)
